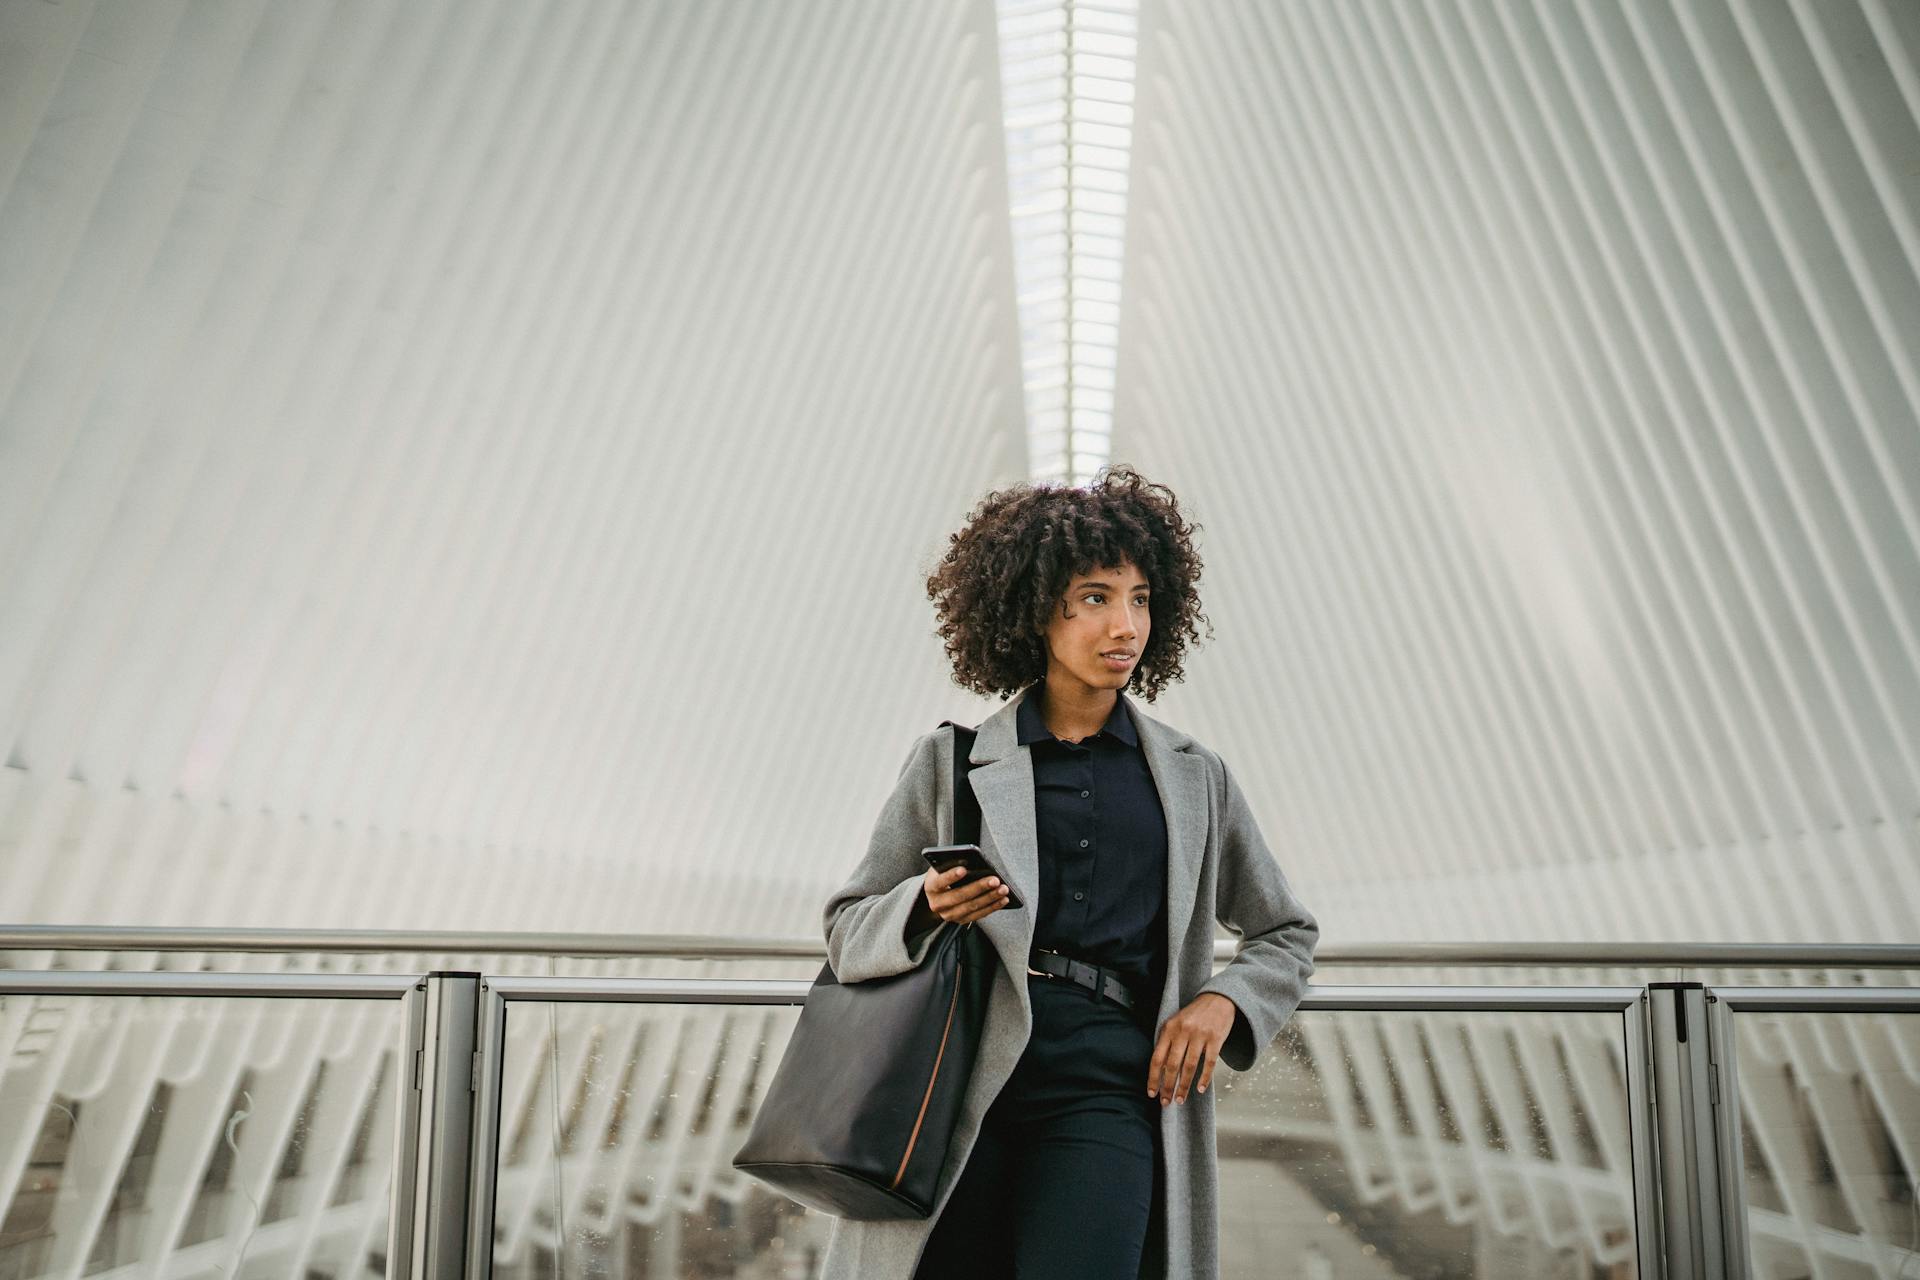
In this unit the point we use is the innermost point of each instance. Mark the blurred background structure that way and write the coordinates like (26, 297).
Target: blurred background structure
(472, 465)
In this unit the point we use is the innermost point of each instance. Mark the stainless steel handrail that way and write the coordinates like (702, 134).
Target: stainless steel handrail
(628, 946)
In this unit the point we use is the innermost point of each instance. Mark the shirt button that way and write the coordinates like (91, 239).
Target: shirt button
(1083, 844)
(1085, 794)
(1078, 896)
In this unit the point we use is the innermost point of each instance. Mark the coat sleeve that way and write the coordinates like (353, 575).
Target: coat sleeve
(866, 918)
(1268, 973)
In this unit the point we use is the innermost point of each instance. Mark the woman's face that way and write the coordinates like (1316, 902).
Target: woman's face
(1103, 612)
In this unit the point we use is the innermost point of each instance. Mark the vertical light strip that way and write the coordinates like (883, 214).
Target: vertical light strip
(1067, 80)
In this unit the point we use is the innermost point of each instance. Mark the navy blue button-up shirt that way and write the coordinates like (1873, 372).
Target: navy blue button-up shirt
(1103, 846)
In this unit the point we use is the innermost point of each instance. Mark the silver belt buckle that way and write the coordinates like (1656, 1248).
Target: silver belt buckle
(1044, 973)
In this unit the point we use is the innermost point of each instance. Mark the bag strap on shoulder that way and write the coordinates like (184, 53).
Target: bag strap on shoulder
(966, 805)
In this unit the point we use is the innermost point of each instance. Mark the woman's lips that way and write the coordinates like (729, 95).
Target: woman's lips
(1117, 664)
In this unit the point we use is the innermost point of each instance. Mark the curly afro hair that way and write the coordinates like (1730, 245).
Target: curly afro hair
(1007, 571)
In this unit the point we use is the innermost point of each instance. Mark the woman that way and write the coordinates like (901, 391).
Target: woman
(1085, 1145)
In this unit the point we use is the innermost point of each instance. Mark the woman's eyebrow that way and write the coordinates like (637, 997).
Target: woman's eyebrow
(1138, 586)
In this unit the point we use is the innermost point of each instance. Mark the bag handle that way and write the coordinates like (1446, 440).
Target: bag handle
(966, 805)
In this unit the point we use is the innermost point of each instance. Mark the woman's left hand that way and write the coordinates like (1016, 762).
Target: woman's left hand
(1189, 1045)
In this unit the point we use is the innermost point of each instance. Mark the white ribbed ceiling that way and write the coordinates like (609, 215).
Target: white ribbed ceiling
(472, 464)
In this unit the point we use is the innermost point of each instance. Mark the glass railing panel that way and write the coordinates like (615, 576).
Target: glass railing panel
(1440, 1144)
(196, 1135)
(617, 1128)
(1436, 1144)
(1829, 1143)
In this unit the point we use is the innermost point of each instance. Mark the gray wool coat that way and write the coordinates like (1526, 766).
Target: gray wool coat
(1218, 867)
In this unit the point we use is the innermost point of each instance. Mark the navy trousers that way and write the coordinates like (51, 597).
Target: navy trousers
(1066, 1171)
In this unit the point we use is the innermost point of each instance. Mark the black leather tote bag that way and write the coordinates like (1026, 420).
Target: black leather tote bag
(860, 1113)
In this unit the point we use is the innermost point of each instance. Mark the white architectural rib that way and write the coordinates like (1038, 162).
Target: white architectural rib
(1862, 761)
(1697, 471)
(1700, 663)
(1531, 706)
(1628, 101)
(464, 266)
(1529, 336)
(1585, 780)
(1794, 485)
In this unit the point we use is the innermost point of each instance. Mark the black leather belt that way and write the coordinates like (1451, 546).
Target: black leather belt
(1090, 976)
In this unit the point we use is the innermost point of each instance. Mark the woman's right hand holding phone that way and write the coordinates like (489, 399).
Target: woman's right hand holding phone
(962, 904)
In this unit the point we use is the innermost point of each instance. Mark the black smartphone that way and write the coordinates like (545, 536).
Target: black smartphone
(944, 857)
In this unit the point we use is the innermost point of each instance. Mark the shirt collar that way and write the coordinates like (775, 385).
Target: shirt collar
(1032, 727)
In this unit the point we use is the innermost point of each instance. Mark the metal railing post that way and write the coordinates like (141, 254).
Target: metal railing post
(490, 1051)
(444, 1137)
(1733, 1174)
(1685, 1101)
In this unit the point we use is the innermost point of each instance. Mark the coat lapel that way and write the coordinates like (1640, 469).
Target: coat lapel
(1180, 776)
(1003, 781)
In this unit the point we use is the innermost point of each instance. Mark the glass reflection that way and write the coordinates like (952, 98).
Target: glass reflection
(169, 1136)
(1830, 1139)
(618, 1125)
(1430, 1144)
